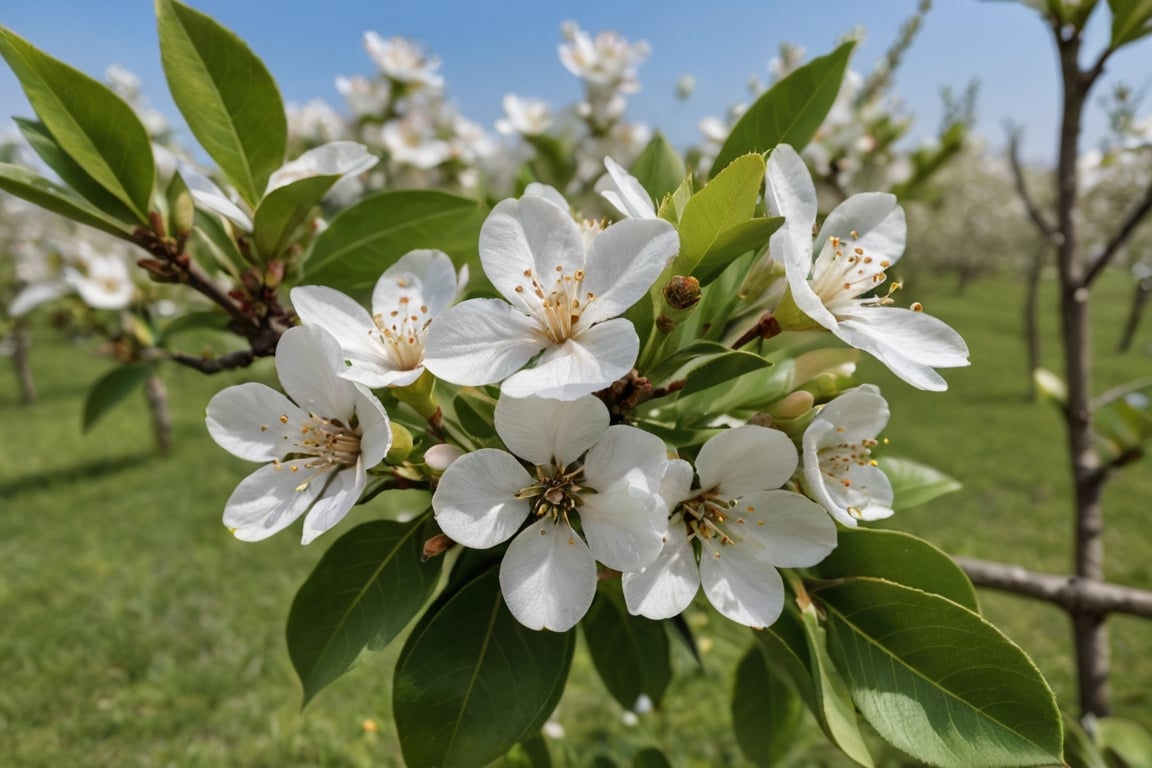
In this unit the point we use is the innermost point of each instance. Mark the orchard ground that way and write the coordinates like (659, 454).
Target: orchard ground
(137, 632)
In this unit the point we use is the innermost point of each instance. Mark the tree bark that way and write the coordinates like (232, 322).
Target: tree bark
(157, 395)
(20, 363)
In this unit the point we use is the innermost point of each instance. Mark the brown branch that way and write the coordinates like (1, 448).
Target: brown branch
(241, 358)
(1131, 221)
(1046, 227)
(1073, 594)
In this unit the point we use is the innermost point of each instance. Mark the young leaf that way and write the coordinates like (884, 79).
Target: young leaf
(71, 173)
(283, 209)
(1127, 742)
(630, 652)
(110, 389)
(40, 191)
(1131, 20)
(672, 205)
(721, 370)
(364, 591)
(365, 239)
(791, 111)
(936, 680)
(733, 242)
(915, 483)
(900, 558)
(472, 681)
(659, 168)
(88, 121)
(765, 711)
(725, 202)
(226, 95)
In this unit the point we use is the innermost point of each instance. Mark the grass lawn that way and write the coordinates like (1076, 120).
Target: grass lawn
(137, 632)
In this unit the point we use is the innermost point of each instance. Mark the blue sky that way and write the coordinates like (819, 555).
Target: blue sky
(488, 49)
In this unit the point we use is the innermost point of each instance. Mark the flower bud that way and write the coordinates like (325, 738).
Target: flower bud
(438, 457)
(792, 406)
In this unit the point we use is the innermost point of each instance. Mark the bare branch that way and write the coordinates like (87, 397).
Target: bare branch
(241, 358)
(1135, 216)
(1046, 227)
(1073, 594)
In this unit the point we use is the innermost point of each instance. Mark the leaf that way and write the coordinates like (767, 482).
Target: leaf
(71, 173)
(721, 370)
(284, 209)
(88, 121)
(735, 242)
(367, 238)
(111, 388)
(530, 753)
(1131, 20)
(1126, 741)
(936, 680)
(659, 168)
(672, 205)
(226, 95)
(900, 558)
(650, 757)
(476, 413)
(765, 711)
(40, 191)
(630, 652)
(1079, 750)
(914, 483)
(725, 202)
(472, 681)
(364, 591)
(791, 111)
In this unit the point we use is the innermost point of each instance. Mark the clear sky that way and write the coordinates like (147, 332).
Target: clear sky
(488, 49)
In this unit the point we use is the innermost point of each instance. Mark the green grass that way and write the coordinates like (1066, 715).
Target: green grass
(137, 632)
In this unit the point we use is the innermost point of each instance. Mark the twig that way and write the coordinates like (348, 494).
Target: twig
(1075, 595)
(1135, 216)
(1046, 228)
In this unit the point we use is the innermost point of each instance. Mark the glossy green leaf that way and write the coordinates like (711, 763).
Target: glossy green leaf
(914, 483)
(790, 112)
(476, 413)
(1124, 742)
(90, 123)
(366, 588)
(530, 753)
(659, 168)
(70, 172)
(834, 708)
(367, 238)
(722, 370)
(765, 711)
(734, 242)
(672, 205)
(936, 680)
(1131, 20)
(786, 652)
(50, 196)
(472, 681)
(630, 652)
(226, 95)
(898, 557)
(283, 210)
(111, 389)
(727, 201)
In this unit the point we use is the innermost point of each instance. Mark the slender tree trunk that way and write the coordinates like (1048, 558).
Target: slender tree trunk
(20, 343)
(1136, 313)
(1090, 629)
(157, 395)
(1031, 316)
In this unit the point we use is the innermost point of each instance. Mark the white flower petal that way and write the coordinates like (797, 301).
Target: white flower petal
(35, 295)
(245, 420)
(269, 500)
(676, 485)
(337, 158)
(475, 502)
(550, 431)
(307, 361)
(528, 234)
(583, 364)
(551, 194)
(857, 413)
(746, 460)
(623, 262)
(618, 524)
(795, 253)
(789, 191)
(548, 577)
(340, 495)
(878, 221)
(353, 328)
(742, 587)
(625, 192)
(434, 271)
(791, 530)
(481, 341)
(210, 197)
(910, 343)
(665, 587)
(375, 428)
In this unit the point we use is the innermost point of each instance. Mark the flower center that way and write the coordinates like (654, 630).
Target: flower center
(557, 308)
(322, 445)
(837, 463)
(845, 271)
(556, 493)
(710, 516)
(402, 331)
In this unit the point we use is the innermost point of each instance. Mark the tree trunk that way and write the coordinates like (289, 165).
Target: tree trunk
(1136, 313)
(20, 343)
(157, 395)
